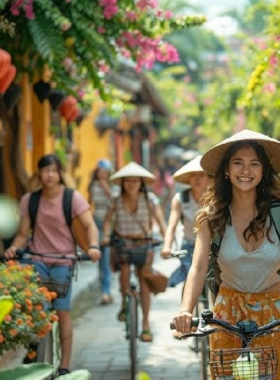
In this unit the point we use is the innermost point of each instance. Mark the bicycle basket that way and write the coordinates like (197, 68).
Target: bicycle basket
(59, 287)
(136, 256)
(251, 363)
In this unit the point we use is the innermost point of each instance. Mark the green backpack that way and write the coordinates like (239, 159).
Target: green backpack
(213, 278)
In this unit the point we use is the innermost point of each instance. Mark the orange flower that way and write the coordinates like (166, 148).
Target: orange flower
(28, 293)
(54, 318)
(53, 295)
(8, 318)
(32, 354)
(38, 307)
(19, 321)
(11, 263)
(2, 339)
(30, 324)
(43, 314)
(13, 332)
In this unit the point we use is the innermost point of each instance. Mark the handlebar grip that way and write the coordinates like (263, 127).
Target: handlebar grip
(20, 252)
(83, 256)
(194, 323)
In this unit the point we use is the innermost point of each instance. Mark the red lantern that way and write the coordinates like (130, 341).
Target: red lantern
(71, 116)
(6, 81)
(68, 103)
(5, 61)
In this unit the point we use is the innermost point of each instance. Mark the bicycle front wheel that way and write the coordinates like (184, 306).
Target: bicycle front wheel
(132, 332)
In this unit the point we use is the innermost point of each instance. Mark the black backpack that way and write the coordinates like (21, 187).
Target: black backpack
(213, 278)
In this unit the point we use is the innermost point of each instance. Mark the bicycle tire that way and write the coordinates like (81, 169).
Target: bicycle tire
(132, 332)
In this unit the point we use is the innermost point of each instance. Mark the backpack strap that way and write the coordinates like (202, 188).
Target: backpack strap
(67, 205)
(274, 214)
(216, 243)
(33, 206)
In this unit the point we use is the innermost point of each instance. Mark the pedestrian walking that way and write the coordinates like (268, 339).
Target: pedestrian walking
(131, 216)
(100, 193)
(184, 206)
(237, 208)
(52, 235)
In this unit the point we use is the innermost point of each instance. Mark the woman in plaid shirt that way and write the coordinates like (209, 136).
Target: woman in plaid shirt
(132, 213)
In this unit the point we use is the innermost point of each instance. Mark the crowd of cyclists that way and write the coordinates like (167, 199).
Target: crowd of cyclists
(227, 190)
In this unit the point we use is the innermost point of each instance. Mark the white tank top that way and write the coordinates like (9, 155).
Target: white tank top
(250, 272)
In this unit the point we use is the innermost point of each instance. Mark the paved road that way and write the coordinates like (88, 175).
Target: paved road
(100, 345)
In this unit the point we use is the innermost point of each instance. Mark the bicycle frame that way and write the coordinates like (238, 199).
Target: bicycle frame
(131, 320)
(132, 294)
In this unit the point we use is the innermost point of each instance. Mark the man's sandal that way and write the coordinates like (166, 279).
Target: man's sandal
(146, 336)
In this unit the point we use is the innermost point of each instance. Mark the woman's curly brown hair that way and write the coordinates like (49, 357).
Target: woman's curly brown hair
(218, 197)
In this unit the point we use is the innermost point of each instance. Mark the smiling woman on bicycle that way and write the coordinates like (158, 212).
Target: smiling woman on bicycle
(133, 212)
(53, 236)
(237, 206)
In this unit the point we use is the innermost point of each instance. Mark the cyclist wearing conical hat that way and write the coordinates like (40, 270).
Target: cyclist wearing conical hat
(132, 213)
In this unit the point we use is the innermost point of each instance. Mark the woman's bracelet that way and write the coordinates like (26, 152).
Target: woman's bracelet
(92, 246)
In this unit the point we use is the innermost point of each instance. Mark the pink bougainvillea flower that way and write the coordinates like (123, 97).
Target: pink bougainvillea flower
(146, 4)
(269, 88)
(101, 30)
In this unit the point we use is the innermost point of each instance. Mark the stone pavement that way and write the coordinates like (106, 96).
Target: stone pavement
(100, 345)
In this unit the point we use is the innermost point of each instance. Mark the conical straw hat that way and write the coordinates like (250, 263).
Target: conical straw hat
(212, 159)
(132, 170)
(183, 174)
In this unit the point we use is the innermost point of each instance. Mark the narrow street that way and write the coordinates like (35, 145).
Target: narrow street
(100, 345)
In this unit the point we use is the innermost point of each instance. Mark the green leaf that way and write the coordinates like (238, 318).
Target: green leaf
(6, 305)
(34, 371)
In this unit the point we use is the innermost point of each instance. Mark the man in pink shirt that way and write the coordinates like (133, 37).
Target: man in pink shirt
(53, 236)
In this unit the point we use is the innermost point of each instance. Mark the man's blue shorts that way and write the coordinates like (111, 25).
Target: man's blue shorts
(58, 273)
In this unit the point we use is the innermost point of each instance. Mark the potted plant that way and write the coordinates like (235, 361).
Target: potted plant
(34, 371)
(29, 319)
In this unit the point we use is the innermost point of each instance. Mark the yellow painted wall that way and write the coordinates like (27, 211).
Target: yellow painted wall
(92, 147)
(35, 127)
(36, 139)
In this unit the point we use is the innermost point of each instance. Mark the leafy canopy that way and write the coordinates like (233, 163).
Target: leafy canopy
(79, 40)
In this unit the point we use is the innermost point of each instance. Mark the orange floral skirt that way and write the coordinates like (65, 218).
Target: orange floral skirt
(232, 307)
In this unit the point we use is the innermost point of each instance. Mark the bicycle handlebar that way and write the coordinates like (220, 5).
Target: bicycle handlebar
(75, 256)
(246, 330)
